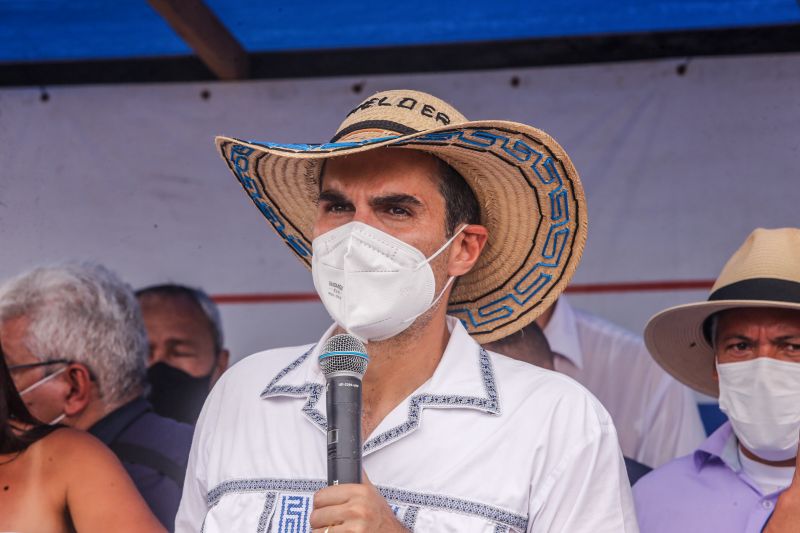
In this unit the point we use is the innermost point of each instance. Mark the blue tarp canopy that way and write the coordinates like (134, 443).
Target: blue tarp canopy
(36, 31)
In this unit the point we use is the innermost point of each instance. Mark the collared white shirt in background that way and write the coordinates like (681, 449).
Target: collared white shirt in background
(487, 444)
(656, 417)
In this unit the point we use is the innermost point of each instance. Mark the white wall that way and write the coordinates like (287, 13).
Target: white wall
(678, 170)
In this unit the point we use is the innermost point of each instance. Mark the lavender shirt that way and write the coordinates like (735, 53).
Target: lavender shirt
(704, 492)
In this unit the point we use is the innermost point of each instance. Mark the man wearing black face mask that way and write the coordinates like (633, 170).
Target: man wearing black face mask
(186, 348)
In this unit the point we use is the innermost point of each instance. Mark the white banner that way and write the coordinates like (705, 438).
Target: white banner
(678, 169)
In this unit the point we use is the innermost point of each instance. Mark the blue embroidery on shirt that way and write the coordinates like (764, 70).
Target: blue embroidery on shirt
(395, 497)
(263, 520)
(459, 505)
(261, 485)
(410, 517)
(294, 514)
(313, 391)
(406, 515)
(489, 404)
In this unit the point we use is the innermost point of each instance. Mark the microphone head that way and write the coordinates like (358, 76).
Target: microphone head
(343, 354)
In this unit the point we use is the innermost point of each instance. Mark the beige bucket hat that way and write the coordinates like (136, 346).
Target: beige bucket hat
(529, 192)
(764, 272)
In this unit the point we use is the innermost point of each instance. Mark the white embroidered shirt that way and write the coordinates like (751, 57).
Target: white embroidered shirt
(487, 444)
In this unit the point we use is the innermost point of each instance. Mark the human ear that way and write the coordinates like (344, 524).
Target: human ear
(466, 249)
(220, 366)
(79, 395)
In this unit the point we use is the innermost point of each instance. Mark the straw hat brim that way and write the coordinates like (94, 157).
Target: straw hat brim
(676, 340)
(530, 195)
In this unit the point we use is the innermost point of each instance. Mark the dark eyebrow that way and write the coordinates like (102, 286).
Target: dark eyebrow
(331, 196)
(399, 199)
(736, 336)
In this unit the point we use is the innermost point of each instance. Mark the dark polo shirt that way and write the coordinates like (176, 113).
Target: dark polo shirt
(153, 449)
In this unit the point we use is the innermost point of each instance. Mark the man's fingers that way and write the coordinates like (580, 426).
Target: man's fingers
(335, 495)
(327, 516)
(339, 494)
(349, 513)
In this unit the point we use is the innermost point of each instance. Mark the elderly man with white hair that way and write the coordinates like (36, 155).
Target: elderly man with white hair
(75, 344)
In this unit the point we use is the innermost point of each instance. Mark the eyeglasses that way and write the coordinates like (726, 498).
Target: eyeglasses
(34, 365)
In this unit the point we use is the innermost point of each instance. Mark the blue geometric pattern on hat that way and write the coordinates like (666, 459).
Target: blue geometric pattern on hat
(540, 277)
(322, 147)
(241, 167)
(537, 278)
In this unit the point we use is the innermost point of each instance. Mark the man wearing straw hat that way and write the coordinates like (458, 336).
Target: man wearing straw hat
(742, 345)
(407, 197)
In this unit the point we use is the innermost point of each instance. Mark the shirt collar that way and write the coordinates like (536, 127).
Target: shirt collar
(463, 379)
(464, 374)
(108, 428)
(562, 332)
(720, 446)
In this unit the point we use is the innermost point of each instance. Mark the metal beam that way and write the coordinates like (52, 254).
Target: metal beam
(196, 24)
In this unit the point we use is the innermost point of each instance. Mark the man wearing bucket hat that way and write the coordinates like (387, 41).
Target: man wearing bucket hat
(407, 197)
(742, 345)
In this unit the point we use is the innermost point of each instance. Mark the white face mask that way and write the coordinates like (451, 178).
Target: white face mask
(372, 284)
(762, 400)
(39, 383)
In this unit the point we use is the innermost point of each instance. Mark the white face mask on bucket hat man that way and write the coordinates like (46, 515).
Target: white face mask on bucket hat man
(371, 283)
(762, 400)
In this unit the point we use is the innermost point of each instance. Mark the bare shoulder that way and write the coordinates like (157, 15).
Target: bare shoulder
(71, 441)
(73, 449)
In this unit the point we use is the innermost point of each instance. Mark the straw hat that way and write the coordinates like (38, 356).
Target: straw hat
(529, 193)
(764, 272)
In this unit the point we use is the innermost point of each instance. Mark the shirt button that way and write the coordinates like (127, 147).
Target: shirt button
(766, 504)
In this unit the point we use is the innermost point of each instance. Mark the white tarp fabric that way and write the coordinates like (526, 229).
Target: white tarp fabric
(678, 169)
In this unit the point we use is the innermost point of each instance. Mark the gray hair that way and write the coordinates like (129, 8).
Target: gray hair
(199, 297)
(84, 313)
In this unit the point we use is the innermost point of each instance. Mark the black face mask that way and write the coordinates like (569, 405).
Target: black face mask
(175, 394)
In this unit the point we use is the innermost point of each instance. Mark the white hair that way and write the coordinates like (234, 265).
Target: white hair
(84, 313)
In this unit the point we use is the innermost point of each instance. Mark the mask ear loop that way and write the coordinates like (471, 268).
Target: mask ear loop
(449, 280)
(42, 381)
(57, 419)
(434, 302)
(442, 249)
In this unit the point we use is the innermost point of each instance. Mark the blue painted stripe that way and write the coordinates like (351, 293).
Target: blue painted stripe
(331, 354)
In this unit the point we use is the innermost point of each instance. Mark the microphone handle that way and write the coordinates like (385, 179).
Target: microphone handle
(343, 400)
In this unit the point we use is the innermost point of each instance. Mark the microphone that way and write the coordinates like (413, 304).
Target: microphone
(344, 361)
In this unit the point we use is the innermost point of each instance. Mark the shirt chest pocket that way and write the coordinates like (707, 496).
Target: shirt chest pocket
(286, 512)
